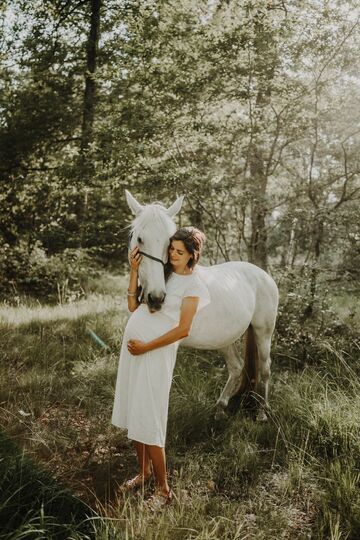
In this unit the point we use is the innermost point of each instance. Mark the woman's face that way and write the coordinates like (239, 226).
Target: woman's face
(179, 255)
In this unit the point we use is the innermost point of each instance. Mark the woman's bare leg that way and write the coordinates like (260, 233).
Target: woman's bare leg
(158, 458)
(143, 458)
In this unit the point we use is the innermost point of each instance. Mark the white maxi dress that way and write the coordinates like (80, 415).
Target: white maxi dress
(144, 381)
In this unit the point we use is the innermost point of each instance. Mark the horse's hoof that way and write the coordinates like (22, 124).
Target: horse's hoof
(261, 416)
(220, 413)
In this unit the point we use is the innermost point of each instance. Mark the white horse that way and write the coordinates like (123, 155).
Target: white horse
(244, 298)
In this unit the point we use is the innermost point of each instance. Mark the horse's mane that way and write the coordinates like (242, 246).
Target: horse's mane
(154, 213)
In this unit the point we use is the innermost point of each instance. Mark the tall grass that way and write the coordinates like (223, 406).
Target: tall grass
(296, 476)
(33, 505)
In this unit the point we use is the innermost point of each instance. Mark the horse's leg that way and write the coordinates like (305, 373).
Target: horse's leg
(263, 341)
(234, 365)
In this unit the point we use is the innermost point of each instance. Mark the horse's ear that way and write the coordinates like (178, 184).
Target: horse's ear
(175, 207)
(134, 206)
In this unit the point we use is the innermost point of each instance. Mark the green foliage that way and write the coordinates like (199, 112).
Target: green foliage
(304, 336)
(342, 503)
(33, 505)
(62, 277)
(186, 94)
(250, 110)
(349, 266)
(297, 474)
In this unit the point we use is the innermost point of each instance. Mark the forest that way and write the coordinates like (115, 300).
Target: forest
(251, 110)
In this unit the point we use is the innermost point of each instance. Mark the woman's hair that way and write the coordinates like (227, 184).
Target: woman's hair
(193, 240)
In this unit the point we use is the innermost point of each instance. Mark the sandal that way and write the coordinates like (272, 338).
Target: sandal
(139, 481)
(158, 501)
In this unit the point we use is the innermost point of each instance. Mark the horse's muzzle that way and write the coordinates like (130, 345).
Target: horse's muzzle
(155, 302)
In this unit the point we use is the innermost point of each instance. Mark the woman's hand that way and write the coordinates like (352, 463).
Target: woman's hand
(135, 258)
(136, 347)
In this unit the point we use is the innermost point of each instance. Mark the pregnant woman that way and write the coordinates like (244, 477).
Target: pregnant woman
(148, 355)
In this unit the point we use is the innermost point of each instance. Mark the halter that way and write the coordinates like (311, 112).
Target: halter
(143, 252)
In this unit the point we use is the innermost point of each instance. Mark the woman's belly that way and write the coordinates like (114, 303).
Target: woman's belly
(146, 326)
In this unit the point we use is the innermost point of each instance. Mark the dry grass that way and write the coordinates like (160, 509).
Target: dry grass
(295, 477)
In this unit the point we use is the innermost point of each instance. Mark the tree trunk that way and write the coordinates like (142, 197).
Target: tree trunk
(318, 233)
(90, 82)
(289, 252)
(196, 216)
(266, 58)
(86, 167)
(258, 240)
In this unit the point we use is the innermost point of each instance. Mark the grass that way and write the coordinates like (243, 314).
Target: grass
(296, 476)
(33, 505)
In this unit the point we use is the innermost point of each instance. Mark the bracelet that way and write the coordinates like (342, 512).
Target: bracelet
(131, 293)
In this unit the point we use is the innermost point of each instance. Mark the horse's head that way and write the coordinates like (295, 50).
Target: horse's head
(151, 231)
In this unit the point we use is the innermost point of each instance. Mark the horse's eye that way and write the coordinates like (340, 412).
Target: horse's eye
(139, 240)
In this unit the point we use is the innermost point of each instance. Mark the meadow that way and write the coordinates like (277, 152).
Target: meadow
(295, 477)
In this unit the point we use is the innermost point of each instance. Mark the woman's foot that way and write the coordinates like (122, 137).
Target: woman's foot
(159, 500)
(137, 482)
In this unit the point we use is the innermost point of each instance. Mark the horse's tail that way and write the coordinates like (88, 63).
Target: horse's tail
(251, 362)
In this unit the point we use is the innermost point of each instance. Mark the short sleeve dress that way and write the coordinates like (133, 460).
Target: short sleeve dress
(144, 381)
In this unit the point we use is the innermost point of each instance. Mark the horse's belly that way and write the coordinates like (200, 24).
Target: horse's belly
(235, 288)
(216, 329)
(211, 341)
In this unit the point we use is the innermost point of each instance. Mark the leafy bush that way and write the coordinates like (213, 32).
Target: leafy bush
(303, 335)
(59, 277)
(349, 264)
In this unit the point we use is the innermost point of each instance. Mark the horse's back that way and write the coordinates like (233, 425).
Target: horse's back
(241, 269)
(236, 275)
(239, 291)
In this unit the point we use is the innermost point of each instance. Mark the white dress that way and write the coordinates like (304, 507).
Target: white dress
(144, 381)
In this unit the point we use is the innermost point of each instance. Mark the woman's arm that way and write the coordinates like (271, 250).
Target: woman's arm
(135, 260)
(188, 310)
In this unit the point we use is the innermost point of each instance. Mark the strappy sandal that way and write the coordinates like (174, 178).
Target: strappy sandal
(158, 501)
(135, 483)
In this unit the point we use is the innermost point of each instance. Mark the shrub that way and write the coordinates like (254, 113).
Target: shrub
(59, 277)
(305, 336)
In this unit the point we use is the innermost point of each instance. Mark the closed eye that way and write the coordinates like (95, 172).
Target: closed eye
(178, 251)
